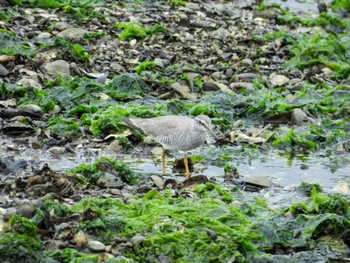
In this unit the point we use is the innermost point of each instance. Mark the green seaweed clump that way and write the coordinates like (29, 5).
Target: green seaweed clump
(128, 86)
(91, 172)
(16, 247)
(64, 127)
(137, 30)
(324, 49)
(306, 188)
(10, 45)
(20, 242)
(204, 229)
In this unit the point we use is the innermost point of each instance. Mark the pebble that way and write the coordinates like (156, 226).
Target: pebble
(3, 71)
(58, 67)
(43, 36)
(29, 83)
(342, 188)
(56, 150)
(73, 34)
(60, 26)
(137, 240)
(278, 80)
(96, 246)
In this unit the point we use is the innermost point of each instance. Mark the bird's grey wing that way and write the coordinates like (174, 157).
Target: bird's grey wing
(158, 126)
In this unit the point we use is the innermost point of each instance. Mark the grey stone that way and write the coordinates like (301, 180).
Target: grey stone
(58, 67)
(60, 26)
(96, 246)
(73, 34)
(3, 71)
(29, 82)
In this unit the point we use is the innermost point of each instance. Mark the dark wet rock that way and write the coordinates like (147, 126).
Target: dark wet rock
(73, 34)
(57, 68)
(255, 183)
(170, 183)
(66, 231)
(8, 113)
(46, 181)
(121, 245)
(8, 164)
(304, 166)
(143, 189)
(194, 180)
(246, 85)
(26, 210)
(31, 110)
(96, 246)
(210, 86)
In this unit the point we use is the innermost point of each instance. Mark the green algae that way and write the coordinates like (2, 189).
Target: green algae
(10, 45)
(137, 30)
(324, 49)
(211, 226)
(146, 65)
(91, 172)
(176, 227)
(20, 248)
(64, 127)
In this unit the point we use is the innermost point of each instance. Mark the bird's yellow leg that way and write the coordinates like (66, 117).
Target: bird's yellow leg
(186, 166)
(163, 161)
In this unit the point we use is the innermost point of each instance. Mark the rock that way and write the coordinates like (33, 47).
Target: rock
(3, 71)
(80, 239)
(110, 180)
(246, 85)
(299, 118)
(210, 86)
(26, 210)
(29, 82)
(259, 181)
(193, 6)
(115, 147)
(56, 150)
(31, 110)
(60, 26)
(137, 240)
(58, 67)
(278, 80)
(184, 91)
(245, 77)
(96, 246)
(73, 34)
(342, 188)
(220, 33)
(43, 37)
(246, 61)
(158, 181)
